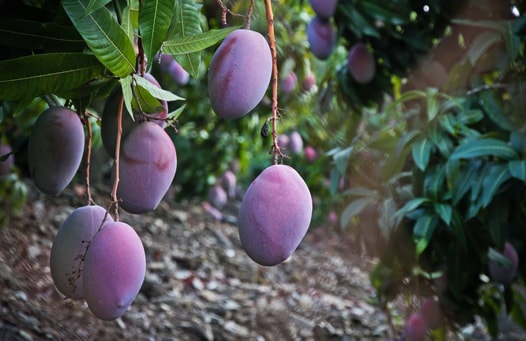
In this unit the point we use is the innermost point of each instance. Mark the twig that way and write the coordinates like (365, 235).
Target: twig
(272, 40)
(114, 198)
(88, 157)
(249, 14)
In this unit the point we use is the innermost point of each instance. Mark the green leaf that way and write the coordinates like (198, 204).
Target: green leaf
(497, 175)
(518, 141)
(187, 23)
(471, 116)
(441, 140)
(353, 209)
(465, 181)
(197, 42)
(423, 231)
(484, 147)
(494, 111)
(130, 21)
(155, 17)
(341, 159)
(127, 93)
(45, 74)
(422, 152)
(444, 211)
(177, 112)
(434, 181)
(449, 123)
(518, 169)
(33, 35)
(103, 35)
(409, 206)
(156, 92)
(95, 5)
(481, 44)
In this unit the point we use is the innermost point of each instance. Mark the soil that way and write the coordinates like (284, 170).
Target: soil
(200, 285)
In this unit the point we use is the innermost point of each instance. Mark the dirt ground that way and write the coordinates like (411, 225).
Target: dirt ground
(200, 285)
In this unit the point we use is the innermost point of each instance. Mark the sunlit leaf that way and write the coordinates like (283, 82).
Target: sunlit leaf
(196, 43)
(187, 23)
(103, 35)
(155, 91)
(155, 18)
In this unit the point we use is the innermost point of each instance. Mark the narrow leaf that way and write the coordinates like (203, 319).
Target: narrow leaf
(408, 207)
(444, 211)
(103, 35)
(45, 74)
(422, 152)
(187, 23)
(423, 231)
(155, 91)
(497, 175)
(155, 17)
(33, 35)
(353, 209)
(126, 84)
(518, 169)
(485, 147)
(197, 42)
(464, 181)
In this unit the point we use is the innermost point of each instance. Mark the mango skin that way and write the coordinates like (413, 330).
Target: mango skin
(274, 215)
(114, 270)
(239, 74)
(55, 149)
(69, 246)
(148, 163)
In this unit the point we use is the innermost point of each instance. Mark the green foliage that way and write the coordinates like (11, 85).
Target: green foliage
(451, 185)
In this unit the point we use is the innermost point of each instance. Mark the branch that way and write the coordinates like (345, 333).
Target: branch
(272, 41)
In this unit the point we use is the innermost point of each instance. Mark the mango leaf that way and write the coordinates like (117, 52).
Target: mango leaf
(155, 91)
(45, 74)
(518, 141)
(497, 175)
(155, 17)
(197, 42)
(464, 181)
(33, 35)
(434, 178)
(409, 206)
(444, 211)
(484, 147)
(494, 111)
(518, 169)
(353, 209)
(481, 44)
(187, 23)
(130, 21)
(95, 5)
(103, 35)
(497, 217)
(471, 116)
(177, 112)
(452, 168)
(423, 231)
(449, 123)
(441, 140)
(422, 152)
(127, 93)
(341, 159)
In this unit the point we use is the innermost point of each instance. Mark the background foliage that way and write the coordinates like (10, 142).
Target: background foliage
(426, 162)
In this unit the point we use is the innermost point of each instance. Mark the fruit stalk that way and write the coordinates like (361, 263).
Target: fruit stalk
(114, 198)
(272, 41)
(85, 119)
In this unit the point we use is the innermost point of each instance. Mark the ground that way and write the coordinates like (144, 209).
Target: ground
(200, 285)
